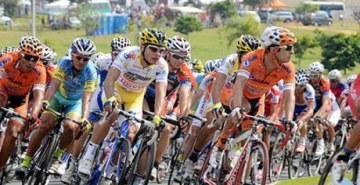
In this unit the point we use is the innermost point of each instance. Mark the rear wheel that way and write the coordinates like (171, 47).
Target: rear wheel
(277, 158)
(124, 146)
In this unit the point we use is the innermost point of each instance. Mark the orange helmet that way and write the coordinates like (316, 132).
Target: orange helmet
(31, 46)
(277, 36)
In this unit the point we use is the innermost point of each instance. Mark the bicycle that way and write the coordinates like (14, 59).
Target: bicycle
(38, 170)
(5, 114)
(253, 155)
(344, 128)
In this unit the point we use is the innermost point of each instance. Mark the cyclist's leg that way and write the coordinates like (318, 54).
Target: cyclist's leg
(14, 128)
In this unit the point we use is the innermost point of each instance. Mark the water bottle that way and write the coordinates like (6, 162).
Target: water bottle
(179, 142)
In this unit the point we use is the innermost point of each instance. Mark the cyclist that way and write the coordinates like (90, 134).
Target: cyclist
(8, 49)
(48, 59)
(181, 83)
(336, 85)
(126, 82)
(71, 87)
(344, 106)
(259, 71)
(304, 105)
(21, 71)
(102, 63)
(227, 67)
(340, 165)
(326, 107)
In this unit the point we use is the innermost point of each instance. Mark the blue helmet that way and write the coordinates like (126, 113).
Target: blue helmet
(83, 46)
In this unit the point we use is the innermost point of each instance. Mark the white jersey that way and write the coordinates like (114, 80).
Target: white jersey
(227, 65)
(133, 76)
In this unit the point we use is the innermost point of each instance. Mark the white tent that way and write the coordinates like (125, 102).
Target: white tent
(24, 2)
(187, 9)
(61, 4)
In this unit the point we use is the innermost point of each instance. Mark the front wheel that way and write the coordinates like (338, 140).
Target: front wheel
(325, 176)
(124, 146)
(257, 167)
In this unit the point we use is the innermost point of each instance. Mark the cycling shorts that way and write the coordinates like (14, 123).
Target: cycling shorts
(298, 110)
(201, 110)
(71, 108)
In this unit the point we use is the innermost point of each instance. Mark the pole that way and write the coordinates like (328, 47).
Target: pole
(267, 14)
(33, 19)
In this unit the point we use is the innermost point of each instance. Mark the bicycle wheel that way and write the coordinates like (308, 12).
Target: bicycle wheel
(149, 163)
(314, 162)
(277, 158)
(259, 164)
(124, 146)
(175, 164)
(325, 178)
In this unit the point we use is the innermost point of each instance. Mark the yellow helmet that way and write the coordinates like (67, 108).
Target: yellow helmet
(152, 36)
(247, 43)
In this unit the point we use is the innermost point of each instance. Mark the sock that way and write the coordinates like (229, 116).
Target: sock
(65, 157)
(222, 140)
(26, 162)
(58, 153)
(302, 140)
(344, 155)
(194, 155)
(90, 151)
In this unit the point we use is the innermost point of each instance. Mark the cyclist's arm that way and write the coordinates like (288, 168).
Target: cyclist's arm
(289, 98)
(184, 99)
(196, 98)
(160, 89)
(325, 105)
(274, 110)
(37, 101)
(86, 103)
(54, 86)
(310, 111)
(110, 80)
(218, 85)
(238, 90)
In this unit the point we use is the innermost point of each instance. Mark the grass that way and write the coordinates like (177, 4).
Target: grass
(207, 44)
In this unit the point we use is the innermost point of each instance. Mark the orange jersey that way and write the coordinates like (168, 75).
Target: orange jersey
(16, 82)
(259, 83)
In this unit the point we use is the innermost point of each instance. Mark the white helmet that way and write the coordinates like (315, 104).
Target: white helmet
(120, 43)
(211, 65)
(316, 67)
(48, 55)
(83, 46)
(301, 77)
(335, 74)
(95, 59)
(277, 36)
(351, 79)
(178, 44)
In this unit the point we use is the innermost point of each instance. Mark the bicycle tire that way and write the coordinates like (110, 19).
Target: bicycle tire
(260, 147)
(174, 162)
(123, 160)
(277, 158)
(313, 163)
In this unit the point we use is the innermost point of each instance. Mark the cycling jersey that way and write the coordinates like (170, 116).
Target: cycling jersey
(134, 78)
(323, 89)
(229, 65)
(50, 69)
(102, 65)
(302, 100)
(16, 82)
(72, 87)
(354, 97)
(258, 82)
(338, 89)
(272, 97)
(199, 77)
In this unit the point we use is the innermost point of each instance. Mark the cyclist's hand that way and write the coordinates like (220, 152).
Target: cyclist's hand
(46, 104)
(110, 103)
(217, 110)
(238, 113)
(86, 125)
(184, 123)
(34, 121)
(290, 126)
(158, 121)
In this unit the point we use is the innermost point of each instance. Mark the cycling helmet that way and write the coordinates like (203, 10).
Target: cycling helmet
(210, 65)
(178, 44)
(8, 49)
(30, 45)
(247, 43)
(335, 74)
(95, 59)
(301, 77)
(277, 36)
(68, 53)
(316, 67)
(118, 44)
(47, 56)
(152, 36)
(351, 79)
(83, 46)
(197, 66)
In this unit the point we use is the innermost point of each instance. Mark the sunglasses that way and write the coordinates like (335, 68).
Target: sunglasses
(177, 56)
(298, 85)
(79, 58)
(287, 47)
(31, 58)
(156, 49)
(314, 75)
(333, 81)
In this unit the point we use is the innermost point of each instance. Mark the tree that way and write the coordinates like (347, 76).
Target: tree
(225, 9)
(10, 7)
(187, 24)
(254, 3)
(302, 8)
(303, 45)
(340, 51)
(237, 26)
(89, 17)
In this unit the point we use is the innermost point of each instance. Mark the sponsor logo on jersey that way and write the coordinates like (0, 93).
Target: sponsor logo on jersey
(287, 68)
(133, 76)
(129, 55)
(4, 61)
(249, 60)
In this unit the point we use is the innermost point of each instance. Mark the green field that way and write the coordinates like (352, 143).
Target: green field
(207, 44)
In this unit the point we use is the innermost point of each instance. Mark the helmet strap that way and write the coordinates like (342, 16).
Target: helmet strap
(143, 56)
